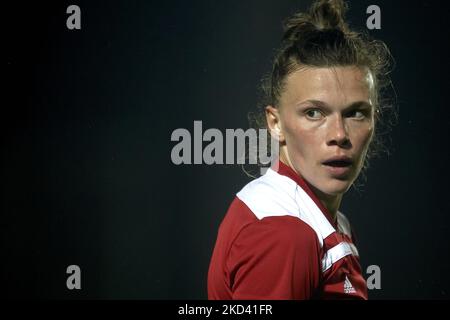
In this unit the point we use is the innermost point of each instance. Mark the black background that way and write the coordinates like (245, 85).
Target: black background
(87, 177)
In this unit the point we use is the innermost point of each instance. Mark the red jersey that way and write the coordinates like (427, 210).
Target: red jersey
(278, 241)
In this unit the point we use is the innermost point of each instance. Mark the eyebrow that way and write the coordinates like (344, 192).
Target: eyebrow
(354, 105)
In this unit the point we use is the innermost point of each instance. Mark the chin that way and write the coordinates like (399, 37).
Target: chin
(336, 187)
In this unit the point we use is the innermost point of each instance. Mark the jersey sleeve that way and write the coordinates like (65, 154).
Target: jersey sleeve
(274, 258)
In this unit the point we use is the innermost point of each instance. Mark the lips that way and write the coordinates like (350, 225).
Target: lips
(338, 162)
(338, 165)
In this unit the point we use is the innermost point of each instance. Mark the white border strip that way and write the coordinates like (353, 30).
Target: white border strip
(337, 253)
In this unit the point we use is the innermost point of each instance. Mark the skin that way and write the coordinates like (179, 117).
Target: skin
(322, 113)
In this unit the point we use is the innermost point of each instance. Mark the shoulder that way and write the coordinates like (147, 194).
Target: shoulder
(264, 221)
(263, 216)
(282, 232)
(276, 195)
(270, 195)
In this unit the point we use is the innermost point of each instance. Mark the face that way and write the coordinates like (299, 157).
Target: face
(325, 122)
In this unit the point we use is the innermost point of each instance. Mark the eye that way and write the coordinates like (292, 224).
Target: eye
(357, 114)
(314, 114)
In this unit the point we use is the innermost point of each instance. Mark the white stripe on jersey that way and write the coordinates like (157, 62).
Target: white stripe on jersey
(274, 194)
(336, 253)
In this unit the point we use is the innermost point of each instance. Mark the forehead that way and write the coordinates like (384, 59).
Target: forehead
(336, 85)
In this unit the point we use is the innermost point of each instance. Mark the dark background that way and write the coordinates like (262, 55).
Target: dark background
(87, 177)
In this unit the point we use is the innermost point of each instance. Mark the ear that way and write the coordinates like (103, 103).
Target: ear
(274, 123)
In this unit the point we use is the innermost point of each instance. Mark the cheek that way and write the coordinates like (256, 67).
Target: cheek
(368, 135)
(363, 137)
(302, 140)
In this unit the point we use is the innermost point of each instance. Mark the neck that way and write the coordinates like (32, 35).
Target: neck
(331, 202)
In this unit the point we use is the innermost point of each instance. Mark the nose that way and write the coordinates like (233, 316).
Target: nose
(338, 134)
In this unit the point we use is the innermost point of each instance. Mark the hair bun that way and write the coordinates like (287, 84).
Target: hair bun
(329, 14)
(323, 15)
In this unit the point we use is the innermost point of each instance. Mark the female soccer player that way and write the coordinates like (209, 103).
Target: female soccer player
(283, 236)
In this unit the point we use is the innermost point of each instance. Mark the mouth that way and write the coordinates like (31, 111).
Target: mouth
(338, 166)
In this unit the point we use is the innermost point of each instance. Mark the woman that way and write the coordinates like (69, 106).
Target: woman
(283, 236)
